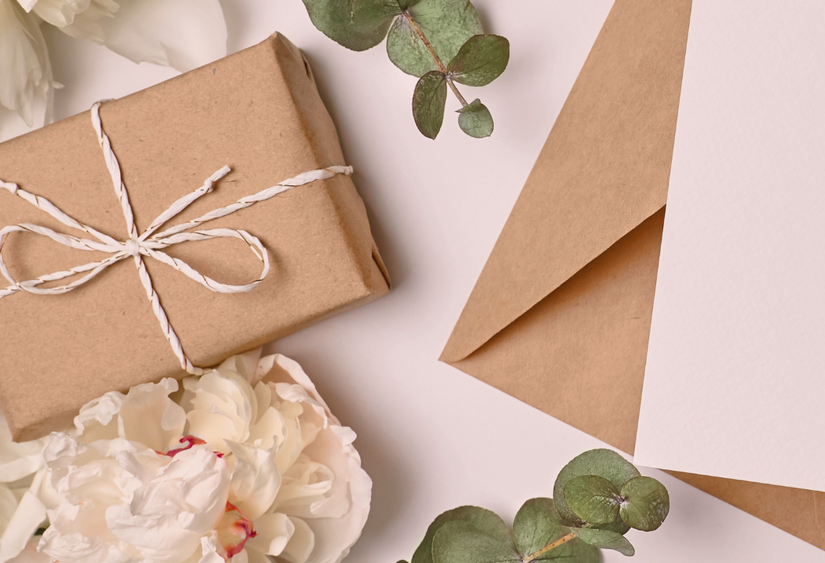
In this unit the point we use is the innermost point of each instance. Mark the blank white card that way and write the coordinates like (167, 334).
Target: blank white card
(735, 380)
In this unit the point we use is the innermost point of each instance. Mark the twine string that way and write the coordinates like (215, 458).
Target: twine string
(147, 244)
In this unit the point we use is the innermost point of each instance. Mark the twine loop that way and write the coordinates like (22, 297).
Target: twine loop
(150, 243)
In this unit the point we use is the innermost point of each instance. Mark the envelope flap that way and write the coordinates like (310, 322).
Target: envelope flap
(603, 170)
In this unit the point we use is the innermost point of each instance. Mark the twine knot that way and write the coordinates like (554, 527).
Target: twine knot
(150, 243)
(132, 247)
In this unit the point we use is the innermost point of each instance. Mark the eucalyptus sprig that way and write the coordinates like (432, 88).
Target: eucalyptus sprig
(441, 42)
(598, 498)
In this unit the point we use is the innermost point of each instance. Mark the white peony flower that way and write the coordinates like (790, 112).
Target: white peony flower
(296, 474)
(183, 34)
(242, 464)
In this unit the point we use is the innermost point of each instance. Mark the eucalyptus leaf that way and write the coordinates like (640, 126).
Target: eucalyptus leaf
(605, 539)
(475, 120)
(447, 25)
(461, 542)
(536, 525)
(429, 99)
(646, 503)
(602, 462)
(592, 498)
(574, 551)
(356, 24)
(480, 60)
(484, 521)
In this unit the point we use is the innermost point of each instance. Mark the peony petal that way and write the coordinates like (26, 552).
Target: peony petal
(265, 366)
(27, 4)
(18, 460)
(59, 13)
(297, 373)
(27, 86)
(255, 480)
(256, 556)
(221, 406)
(306, 483)
(78, 18)
(335, 536)
(150, 417)
(97, 419)
(183, 34)
(209, 551)
(77, 548)
(301, 545)
(31, 555)
(274, 532)
(246, 365)
(8, 504)
(28, 515)
(158, 538)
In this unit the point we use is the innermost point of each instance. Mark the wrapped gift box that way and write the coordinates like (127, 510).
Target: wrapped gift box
(258, 112)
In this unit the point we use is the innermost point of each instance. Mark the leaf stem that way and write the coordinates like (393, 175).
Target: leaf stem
(426, 41)
(436, 58)
(546, 548)
(456, 92)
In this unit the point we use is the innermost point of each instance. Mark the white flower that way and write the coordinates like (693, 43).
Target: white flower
(240, 464)
(26, 86)
(77, 18)
(183, 34)
(297, 475)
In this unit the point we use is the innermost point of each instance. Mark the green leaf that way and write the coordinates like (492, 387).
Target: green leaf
(574, 551)
(480, 60)
(594, 499)
(447, 25)
(356, 24)
(429, 99)
(536, 525)
(601, 462)
(485, 521)
(460, 542)
(475, 120)
(605, 539)
(645, 505)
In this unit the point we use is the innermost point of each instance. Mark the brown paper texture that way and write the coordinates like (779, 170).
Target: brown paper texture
(560, 316)
(257, 111)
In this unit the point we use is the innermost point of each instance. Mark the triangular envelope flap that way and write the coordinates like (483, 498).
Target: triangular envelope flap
(603, 170)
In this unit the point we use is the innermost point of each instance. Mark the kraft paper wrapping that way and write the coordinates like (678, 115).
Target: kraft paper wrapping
(560, 316)
(258, 112)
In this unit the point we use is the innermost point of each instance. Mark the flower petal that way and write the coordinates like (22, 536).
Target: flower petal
(183, 34)
(301, 545)
(77, 18)
(17, 460)
(274, 532)
(59, 13)
(27, 86)
(220, 406)
(209, 549)
(255, 480)
(31, 555)
(28, 515)
(97, 419)
(150, 417)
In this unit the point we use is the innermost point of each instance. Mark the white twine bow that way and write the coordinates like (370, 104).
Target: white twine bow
(148, 243)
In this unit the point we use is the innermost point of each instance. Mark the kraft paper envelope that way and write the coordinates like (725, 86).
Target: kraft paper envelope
(560, 316)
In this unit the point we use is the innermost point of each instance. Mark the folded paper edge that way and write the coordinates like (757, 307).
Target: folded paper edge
(643, 40)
